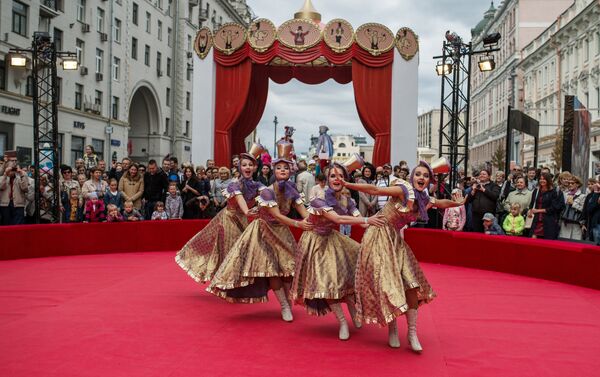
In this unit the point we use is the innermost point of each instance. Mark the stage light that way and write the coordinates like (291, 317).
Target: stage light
(491, 39)
(70, 64)
(443, 69)
(487, 63)
(18, 60)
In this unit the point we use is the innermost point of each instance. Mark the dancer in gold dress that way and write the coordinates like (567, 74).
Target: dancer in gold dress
(389, 280)
(326, 259)
(263, 256)
(203, 254)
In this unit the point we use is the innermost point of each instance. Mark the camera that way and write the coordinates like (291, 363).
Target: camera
(203, 201)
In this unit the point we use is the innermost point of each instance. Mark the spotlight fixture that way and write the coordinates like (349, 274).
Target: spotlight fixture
(491, 39)
(443, 69)
(70, 63)
(487, 63)
(18, 60)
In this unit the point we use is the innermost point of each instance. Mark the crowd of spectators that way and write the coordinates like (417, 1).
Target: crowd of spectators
(527, 203)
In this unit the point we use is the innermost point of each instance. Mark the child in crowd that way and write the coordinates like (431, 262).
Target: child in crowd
(113, 195)
(514, 223)
(455, 217)
(113, 215)
(94, 209)
(73, 207)
(81, 178)
(174, 204)
(159, 212)
(490, 225)
(130, 213)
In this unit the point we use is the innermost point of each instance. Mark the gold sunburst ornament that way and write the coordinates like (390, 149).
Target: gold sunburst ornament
(407, 43)
(229, 38)
(203, 42)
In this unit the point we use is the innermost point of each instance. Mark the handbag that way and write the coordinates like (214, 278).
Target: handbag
(529, 219)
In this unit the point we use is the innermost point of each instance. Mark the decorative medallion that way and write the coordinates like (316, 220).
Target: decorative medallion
(203, 42)
(407, 43)
(299, 34)
(229, 38)
(262, 34)
(375, 38)
(338, 35)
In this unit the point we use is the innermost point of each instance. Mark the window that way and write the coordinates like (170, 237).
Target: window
(116, 68)
(187, 128)
(169, 67)
(189, 42)
(58, 39)
(29, 87)
(79, 48)
(158, 60)
(78, 96)
(167, 126)
(169, 36)
(59, 89)
(134, 45)
(148, 21)
(98, 98)
(168, 97)
(2, 75)
(159, 30)
(77, 145)
(100, 21)
(342, 145)
(188, 72)
(115, 107)
(187, 100)
(98, 148)
(159, 4)
(117, 31)
(81, 10)
(147, 55)
(99, 59)
(61, 137)
(134, 14)
(19, 18)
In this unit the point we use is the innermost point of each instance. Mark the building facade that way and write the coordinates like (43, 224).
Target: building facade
(428, 135)
(562, 60)
(344, 146)
(132, 95)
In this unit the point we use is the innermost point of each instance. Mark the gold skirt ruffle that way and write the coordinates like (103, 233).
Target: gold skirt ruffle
(325, 266)
(264, 250)
(203, 254)
(387, 268)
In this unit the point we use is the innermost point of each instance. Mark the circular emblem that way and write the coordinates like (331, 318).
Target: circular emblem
(203, 42)
(338, 35)
(229, 38)
(299, 34)
(407, 43)
(375, 38)
(262, 34)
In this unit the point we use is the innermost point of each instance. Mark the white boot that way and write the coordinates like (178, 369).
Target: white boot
(352, 309)
(411, 320)
(393, 340)
(339, 313)
(286, 311)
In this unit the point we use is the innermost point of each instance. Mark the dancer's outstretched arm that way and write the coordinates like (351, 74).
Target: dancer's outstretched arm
(374, 190)
(241, 202)
(303, 224)
(376, 220)
(302, 210)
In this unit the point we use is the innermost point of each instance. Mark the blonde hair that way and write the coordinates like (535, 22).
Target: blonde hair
(110, 207)
(223, 169)
(515, 206)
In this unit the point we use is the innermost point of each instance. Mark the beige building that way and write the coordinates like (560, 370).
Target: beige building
(563, 60)
(428, 135)
(345, 146)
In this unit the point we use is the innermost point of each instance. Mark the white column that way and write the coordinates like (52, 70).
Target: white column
(203, 109)
(405, 93)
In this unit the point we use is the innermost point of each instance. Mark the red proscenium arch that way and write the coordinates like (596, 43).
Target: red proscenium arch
(242, 88)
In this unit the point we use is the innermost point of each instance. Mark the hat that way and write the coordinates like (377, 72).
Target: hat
(387, 165)
(311, 162)
(93, 195)
(284, 153)
(489, 216)
(255, 151)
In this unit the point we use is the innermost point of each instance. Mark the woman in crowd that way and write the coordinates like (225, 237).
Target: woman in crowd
(219, 185)
(203, 254)
(367, 204)
(389, 280)
(572, 220)
(326, 259)
(545, 208)
(131, 186)
(521, 196)
(455, 217)
(591, 213)
(95, 185)
(263, 256)
(265, 175)
(90, 159)
(562, 183)
(190, 189)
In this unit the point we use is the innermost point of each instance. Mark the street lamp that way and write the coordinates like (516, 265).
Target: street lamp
(443, 68)
(70, 63)
(18, 60)
(486, 63)
(275, 123)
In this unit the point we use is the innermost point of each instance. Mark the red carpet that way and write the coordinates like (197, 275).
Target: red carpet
(138, 314)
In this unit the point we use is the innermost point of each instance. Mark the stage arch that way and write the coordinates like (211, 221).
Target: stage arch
(145, 126)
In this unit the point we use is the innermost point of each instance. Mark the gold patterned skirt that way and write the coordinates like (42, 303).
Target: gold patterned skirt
(387, 268)
(203, 254)
(264, 250)
(325, 266)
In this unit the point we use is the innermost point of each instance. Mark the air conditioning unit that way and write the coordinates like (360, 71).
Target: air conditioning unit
(99, 76)
(96, 108)
(87, 106)
(83, 70)
(189, 55)
(85, 28)
(103, 37)
(159, 73)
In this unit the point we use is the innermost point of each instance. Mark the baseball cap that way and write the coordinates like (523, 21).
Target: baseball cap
(488, 216)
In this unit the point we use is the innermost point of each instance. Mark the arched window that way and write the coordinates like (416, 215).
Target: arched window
(342, 145)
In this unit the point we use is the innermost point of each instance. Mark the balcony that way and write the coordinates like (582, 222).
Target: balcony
(49, 8)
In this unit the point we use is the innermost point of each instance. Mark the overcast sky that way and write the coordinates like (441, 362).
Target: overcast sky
(307, 106)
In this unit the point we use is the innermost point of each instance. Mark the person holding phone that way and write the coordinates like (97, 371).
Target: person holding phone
(14, 185)
(483, 197)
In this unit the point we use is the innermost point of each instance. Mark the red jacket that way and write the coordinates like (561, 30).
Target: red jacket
(94, 214)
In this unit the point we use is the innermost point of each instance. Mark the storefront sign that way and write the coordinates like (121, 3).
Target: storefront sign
(10, 110)
(80, 125)
(115, 143)
(187, 148)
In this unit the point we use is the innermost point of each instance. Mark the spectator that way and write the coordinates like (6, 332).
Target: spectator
(383, 180)
(141, 170)
(545, 208)
(131, 186)
(174, 175)
(130, 213)
(203, 182)
(404, 173)
(219, 185)
(235, 173)
(367, 203)
(166, 165)
(46, 201)
(514, 222)
(191, 188)
(531, 179)
(14, 185)
(590, 185)
(311, 167)
(210, 164)
(102, 166)
(235, 162)
(83, 171)
(521, 195)
(483, 197)
(81, 179)
(455, 218)
(205, 210)
(95, 185)
(304, 181)
(117, 173)
(113, 215)
(94, 209)
(572, 220)
(90, 159)
(265, 175)
(73, 207)
(562, 182)
(30, 201)
(156, 184)
(591, 213)
(174, 204)
(318, 190)
(67, 183)
(113, 195)
(490, 225)
(159, 212)
(79, 163)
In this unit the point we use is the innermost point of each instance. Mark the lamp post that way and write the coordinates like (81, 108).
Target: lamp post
(45, 119)
(275, 123)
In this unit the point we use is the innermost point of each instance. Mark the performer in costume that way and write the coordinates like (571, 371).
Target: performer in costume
(263, 256)
(324, 147)
(203, 254)
(389, 280)
(326, 259)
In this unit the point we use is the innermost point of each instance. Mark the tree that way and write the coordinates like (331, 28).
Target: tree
(557, 150)
(499, 158)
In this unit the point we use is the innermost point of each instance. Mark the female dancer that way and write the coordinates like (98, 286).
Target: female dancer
(263, 256)
(204, 253)
(326, 259)
(389, 280)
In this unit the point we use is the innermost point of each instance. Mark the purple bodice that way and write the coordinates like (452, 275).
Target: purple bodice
(322, 225)
(247, 188)
(268, 198)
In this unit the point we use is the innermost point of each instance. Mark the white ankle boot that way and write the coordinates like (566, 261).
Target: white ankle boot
(413, 340)
(352, 309)
(339, 313)
(393, 339)
(286, 311)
